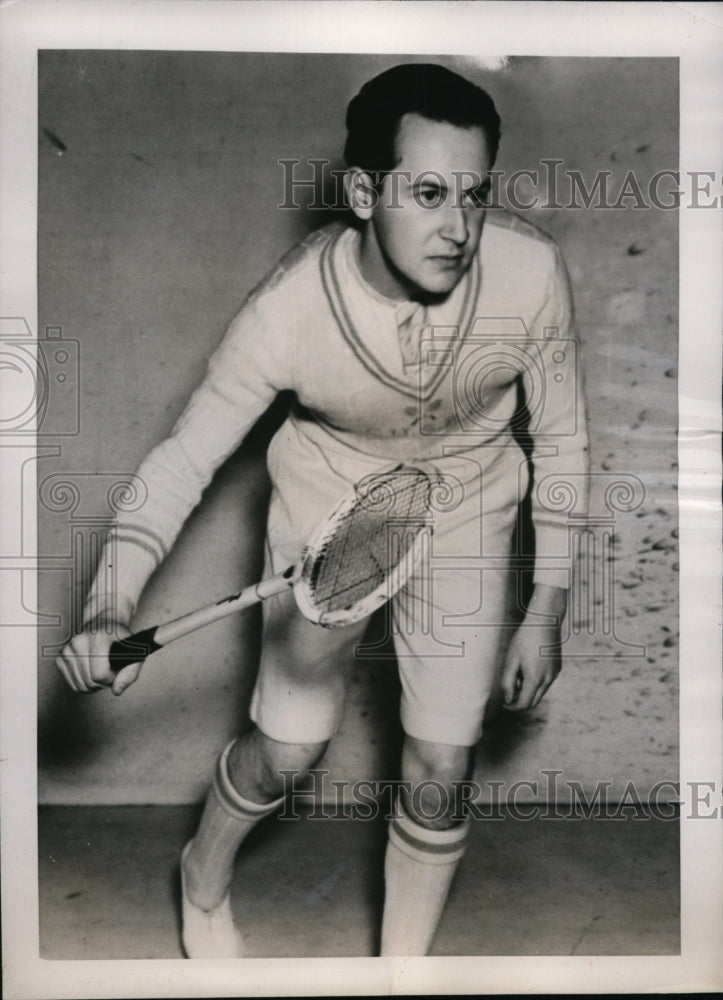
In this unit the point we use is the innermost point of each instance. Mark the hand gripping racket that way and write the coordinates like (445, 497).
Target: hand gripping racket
(358, 558)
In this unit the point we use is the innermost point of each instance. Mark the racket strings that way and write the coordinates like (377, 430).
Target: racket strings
(366, 546)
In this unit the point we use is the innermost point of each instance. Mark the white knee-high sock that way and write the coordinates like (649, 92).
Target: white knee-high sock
(208, 927)
(227, 818)
(418, 871)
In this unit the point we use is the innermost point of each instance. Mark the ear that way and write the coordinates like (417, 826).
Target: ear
(360, 192)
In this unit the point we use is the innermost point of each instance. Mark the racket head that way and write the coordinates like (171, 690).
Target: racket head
(367, 547)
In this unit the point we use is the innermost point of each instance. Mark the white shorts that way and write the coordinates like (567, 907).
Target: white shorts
(451, 623)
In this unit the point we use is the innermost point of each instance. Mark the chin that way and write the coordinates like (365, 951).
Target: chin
(442, 284)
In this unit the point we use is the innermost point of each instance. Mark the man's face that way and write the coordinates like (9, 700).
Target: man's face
(426, 224)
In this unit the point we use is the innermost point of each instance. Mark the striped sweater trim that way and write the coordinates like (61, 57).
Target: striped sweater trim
(144, 538)
(423, 388)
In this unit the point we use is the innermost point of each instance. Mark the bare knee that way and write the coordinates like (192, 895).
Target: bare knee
(433, 774)
(261, 769)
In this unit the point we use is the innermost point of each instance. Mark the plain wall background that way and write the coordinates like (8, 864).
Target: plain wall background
(155, 220)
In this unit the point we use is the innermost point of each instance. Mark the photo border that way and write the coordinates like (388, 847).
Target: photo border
(687, 31)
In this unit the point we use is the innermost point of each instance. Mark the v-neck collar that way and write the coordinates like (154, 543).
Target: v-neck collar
(338, 266)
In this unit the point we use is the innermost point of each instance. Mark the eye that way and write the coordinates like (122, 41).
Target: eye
(430, 196)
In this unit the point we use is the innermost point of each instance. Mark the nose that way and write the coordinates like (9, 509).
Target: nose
(455, 226)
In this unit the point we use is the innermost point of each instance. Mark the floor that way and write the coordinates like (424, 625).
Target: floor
(312, 887)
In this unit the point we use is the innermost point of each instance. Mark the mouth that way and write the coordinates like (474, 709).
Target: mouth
(447, 260)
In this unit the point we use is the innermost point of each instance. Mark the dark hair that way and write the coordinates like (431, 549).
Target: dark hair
(373, 116)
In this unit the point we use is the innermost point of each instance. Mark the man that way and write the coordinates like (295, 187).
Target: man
(403, 336)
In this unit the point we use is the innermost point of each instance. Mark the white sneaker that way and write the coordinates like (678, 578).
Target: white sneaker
(208, 933)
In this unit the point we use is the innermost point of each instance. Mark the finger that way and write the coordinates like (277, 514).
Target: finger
(544, 687)
(533, 690)
(73, 657)
(511, 680)
(525, 690)
(125, 677)
(73, 671)
(86, 662)
(517, 704)
(99, 671)
(66, 672)
(539, 695)
(75, 674)
(533, 695)
(513, 701)
(84, 669)
(93, 663)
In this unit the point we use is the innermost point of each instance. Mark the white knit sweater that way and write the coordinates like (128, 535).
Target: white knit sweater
(316, 327)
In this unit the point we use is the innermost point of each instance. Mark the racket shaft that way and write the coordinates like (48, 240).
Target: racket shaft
(137, 647)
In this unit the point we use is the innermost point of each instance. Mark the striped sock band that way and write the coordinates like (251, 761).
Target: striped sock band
(418, 871)
(227, 818)
(232, 801)
(431, 847)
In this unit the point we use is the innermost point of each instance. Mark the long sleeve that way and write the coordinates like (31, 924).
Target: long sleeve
(244, 375)
(554, 390)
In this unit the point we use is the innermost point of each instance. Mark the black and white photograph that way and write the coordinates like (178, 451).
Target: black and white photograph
(362, 566)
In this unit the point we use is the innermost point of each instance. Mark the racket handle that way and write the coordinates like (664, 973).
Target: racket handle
(137, 647)
(134, 649)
